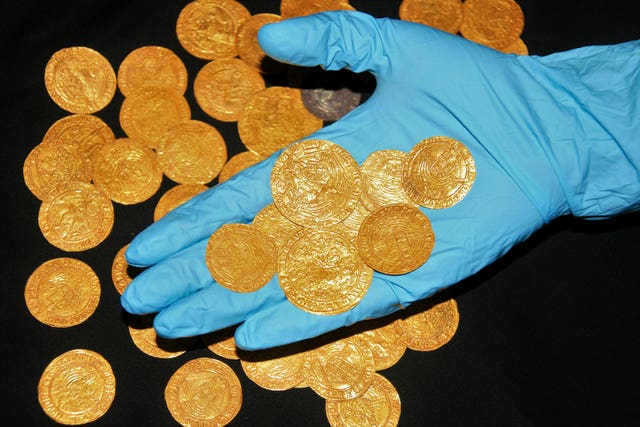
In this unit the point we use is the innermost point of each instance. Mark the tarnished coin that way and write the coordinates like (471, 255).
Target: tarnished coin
(175, 197)
(77, 387)
(119, 274)
(147, 113)
(236, 163)
(207, 29)
(379, 406)
(274, 118)
(127, 171)
(249, 49)
(382, 179)
(330, 104)
(62, 292)
(203, 392)
(241, 257)
(293, 8)
(316, 183)
(493, 23)
(274, 371)
(75, 216)
(223, 87)
(152, 66)
(395, 239)
(445, 15)
(80, 80)
(277, 226)
(438, 172)
(146, 339)
(387, 344)
(321, 272)
(192, 152)
(222, 346)
(431, 329)
(518, 47)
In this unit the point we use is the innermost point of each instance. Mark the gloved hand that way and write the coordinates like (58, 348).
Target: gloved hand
(549, 136)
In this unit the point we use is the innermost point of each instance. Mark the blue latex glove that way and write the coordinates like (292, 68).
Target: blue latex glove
(549, 135)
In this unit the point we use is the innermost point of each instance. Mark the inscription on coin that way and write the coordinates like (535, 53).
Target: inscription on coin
(152, 66)
(430, 329)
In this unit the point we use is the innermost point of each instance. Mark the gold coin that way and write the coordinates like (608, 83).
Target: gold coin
(223, 347)
(75, 216)
(351, 224)
(62, 292)
(387, 344)
(274, 118)
(293, 8)
(249, 49)
(203, 392)
(382, 179)
(438, 172)
(223, 87)
(80, 80)
(395, 239)
(493, 23)
(241, 257)
(119, 274)
(342, 369)
(277, 226)
(431, 329)
(445, 15)
(321, 272)
(518, 47)
(77, 387)
(207, 29)
(192, 152)
(127, 171)
(146, 339)
(152, 66)
(379, 406)
(315, 183)
(147, 113)
(272, 370)
(237, 163)
(175, 197)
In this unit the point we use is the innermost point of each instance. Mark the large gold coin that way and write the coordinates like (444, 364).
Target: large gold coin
(379, 406)
(77, 387)
(395, 239)
(207, 29)
(75, 216)
(438, 172)
(293, 8)
(80, 80)
(431, 329)
(493, 23)
(203, 392)
(192, 152)
(237, 163)
(321, 272)
(316, 183)
(241, 257)
(249, 49)
(119, 274)
(387, 344)
(445, 15)
(175, 197)
(382, 179)
(274, 371)
(152, 66)
(62, 292)
(274, 118)
(223, 87)
(146, 339)
(127, 171)
(277, 226)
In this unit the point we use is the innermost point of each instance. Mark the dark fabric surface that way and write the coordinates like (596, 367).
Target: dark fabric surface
(548, 334)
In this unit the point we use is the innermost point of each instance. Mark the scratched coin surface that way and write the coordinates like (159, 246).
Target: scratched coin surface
(445, 15)
(203, 392)
(277, 226)
(207, 29)
(293, 8)
(77, 387)
(127, 171)
(430, 329)
(493, 23)
(330, 104)
(274, 371)
(144, 337)
(176, 196)
(76, 216)
(80, 80)
(321, 272)
(274, 118)
(387, 344)
(316, 183)
(62, 292)
(119, 270)
(192, 152)
(237, 163)
(395, 239)
(438, 172)
(241, 257)
(378, 406)
(249, 49)
(382, 179)
(152, 66)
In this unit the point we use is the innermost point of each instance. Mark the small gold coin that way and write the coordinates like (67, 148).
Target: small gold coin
(277, 226)
(203, 392)
(379, 406)
(192, 152)
(431, 329)
(518, 47)
(274, 118)
(493, 23)
(293, 8)
(62, 292)
(77, 387)
(387, 344)
(223, 347)
(316, 183)
(119, 274)
(274, 371)
(237, 163)
(80, 80)
(445, 15)
(144, 337)
(127, 171)
(321, 272)
(223, 87)
(207, 29)
(175, 197)
(395, 239)
(438, 172)
(249, 49)
(75, 216)
(241, 257)
(382, 179)
(152, 66)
